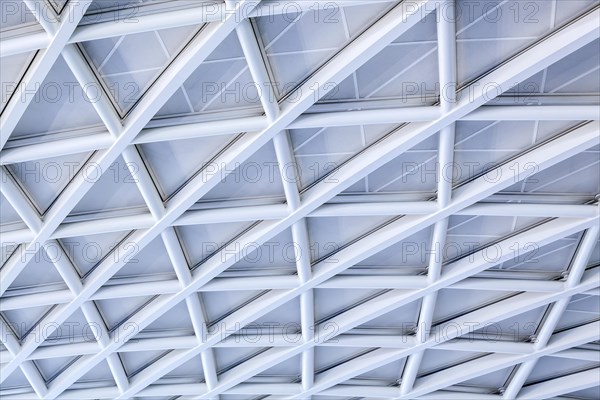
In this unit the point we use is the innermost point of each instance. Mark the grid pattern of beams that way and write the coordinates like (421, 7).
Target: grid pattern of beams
(159, 222)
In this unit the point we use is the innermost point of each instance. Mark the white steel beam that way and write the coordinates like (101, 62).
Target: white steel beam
(560, 341)
(580, 262)
(170, 286)
(446, 39)
(495, 312)
(383, 32)
(102, 140)
(169, 82)
(100, 224)
(123, 23)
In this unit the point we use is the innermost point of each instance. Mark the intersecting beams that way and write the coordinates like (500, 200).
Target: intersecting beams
(102, 140)
(311, 201)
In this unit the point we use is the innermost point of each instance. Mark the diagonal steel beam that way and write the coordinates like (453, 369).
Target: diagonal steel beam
(200, 48)
(386, 30)
(166, 303)
(44, 61)
(170, 81)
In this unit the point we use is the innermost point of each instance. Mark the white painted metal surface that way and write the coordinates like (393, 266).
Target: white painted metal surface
(304, 200)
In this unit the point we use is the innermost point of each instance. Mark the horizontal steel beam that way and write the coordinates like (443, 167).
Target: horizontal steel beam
(85, 142)
(169, 286)
(146, 18)
(98, 224)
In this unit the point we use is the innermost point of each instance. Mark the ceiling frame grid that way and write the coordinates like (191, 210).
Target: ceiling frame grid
(280, 117)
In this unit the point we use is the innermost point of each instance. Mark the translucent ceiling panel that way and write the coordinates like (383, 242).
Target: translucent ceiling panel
(60, 104)
(578, 73)
(319, 152)
(482, 146)
(406, 70)
(256, 177)
(86, 252)
(466, 234)
(12, 69)
(548, 368)
(173, 163)
(39, 273)
(414, 171)
(328, 235)
(15, 14)
(128, 65)
(222, 82)
(558, 179)
(115, 188)
(405, 257)
(490, 32)
(43, 180)
(435, 360)
(582, 309)
(296, 44)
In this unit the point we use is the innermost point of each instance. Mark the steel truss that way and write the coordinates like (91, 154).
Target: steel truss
(119, 139)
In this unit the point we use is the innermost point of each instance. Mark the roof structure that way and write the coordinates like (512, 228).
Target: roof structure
(300, 199)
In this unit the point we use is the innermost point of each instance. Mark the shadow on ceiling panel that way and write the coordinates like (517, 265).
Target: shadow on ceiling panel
(100, 376)
(60, 104)
(289, 369)
(115, 312)
(387, 375)
(16, 380)
(401, 321)
(331, 302)
(227, 358)
(515, 329)
(553, 257)
(23, 320)
(296, 45)
(51, 367)
(492, 381)
(191, 370)
(128, 65)
(435, 360)
(12, 69)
